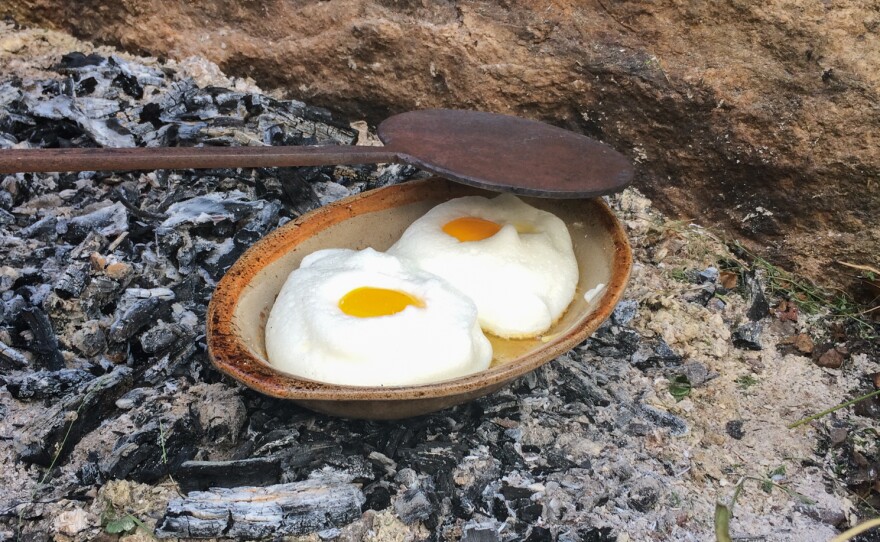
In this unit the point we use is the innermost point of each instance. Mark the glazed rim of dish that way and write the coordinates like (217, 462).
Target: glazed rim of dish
(231, 354)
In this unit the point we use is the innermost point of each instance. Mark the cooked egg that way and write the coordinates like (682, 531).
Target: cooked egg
(364, 318)
(515, 261)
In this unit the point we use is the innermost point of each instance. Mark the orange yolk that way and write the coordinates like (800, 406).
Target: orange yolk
(367, 302)
(471, 228)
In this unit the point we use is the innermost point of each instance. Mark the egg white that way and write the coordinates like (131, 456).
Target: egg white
(308, 335)
(521, 282)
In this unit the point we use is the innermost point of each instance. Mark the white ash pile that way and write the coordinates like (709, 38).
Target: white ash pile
(112, 421)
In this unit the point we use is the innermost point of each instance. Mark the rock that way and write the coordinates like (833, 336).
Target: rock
(748, 336)
(71, 522)
(530, 61)
(710, 274)
(838, 435)
(696, 373)
(655, 354)
(624, 312)
(803, 343)
(734, 428)
(832, 358)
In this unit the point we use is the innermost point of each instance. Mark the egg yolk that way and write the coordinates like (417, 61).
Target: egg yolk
(471, 228)
(368, 302)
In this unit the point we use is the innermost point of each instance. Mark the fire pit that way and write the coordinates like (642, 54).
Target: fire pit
(114, 420)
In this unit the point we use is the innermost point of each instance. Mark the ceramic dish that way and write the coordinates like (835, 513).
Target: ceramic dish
(242, 300)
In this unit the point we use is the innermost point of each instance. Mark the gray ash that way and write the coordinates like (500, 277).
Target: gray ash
(104, 283)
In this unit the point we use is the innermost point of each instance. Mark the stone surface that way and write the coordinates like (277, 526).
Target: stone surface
(832, 358)
(759, 118)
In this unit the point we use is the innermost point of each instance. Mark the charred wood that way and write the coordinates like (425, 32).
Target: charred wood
(255, 471)
(297, 508)
(45, 384)
(44, 342)
(10, 357)
(54, 434)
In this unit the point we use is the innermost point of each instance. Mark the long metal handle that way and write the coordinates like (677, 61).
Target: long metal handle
(41, 160)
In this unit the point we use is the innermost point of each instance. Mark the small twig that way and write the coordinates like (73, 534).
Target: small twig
(832, 409)
(116, 242)
(162, 442)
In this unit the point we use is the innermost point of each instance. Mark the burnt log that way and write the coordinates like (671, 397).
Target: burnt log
(45, 342)
(154, 450)
(318, 503)
(73, 281)
(56, 432)
(45, 384)
(10, 357)
(254, 471)
(108, 221)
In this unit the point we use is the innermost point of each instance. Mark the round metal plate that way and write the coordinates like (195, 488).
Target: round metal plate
(506, 154)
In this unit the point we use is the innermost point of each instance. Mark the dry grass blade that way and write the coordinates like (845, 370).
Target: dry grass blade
(849, 534)
(832, 409)
(867, 268)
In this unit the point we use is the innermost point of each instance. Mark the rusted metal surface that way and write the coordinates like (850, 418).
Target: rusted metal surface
(507, 154)
(146, 158)
(486, 150)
